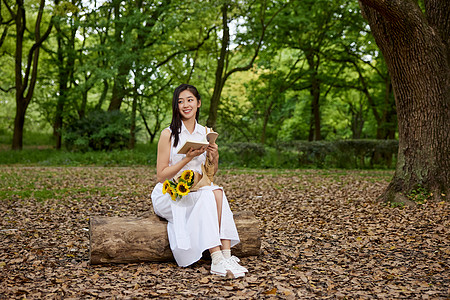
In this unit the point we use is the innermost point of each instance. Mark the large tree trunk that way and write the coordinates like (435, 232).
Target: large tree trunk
(126, 240)
(416, 50)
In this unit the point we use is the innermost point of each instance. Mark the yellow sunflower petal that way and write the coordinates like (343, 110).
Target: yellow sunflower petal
(172, 193)
(166, 186)
(182, 189)
(187, 175)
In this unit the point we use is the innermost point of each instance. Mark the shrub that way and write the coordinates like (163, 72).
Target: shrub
(342, 153)
(346, 154)
(242, 154)
(99, 130)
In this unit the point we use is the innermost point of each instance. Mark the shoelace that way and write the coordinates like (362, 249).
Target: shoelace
(235, 261)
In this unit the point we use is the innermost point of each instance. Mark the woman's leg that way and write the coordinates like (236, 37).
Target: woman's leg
(217, 253)
(218, 195)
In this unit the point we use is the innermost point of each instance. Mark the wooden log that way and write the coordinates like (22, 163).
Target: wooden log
(128, 239)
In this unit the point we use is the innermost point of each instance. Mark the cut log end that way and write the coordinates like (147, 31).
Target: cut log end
(129, 240)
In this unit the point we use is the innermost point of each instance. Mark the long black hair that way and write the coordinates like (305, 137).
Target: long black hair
(175, 125)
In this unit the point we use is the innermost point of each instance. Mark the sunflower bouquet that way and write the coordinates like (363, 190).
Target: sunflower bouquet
(181, 187)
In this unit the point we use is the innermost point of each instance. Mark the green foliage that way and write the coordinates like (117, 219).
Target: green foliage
(141, 155)
(397, 204)
(98, 131)
(145, 49)
(242, 154)
(420, 195)
(345, 154)
(294, 155)
(31, 138)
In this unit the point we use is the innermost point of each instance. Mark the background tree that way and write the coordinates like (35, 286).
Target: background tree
(258, 16)
(415, 44)
(25, 79)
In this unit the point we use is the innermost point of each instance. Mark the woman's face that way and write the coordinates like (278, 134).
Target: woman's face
(188, 105)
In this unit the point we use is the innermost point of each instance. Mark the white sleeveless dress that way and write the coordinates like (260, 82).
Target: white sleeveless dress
(193, 225)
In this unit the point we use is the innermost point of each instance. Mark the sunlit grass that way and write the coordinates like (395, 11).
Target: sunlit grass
(141, 155)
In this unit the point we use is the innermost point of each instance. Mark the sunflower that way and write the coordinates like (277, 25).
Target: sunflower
(166, 186)
(172, 193)
(182, 189)
(187, 175)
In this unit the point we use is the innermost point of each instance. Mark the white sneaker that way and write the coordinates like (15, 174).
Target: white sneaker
(224, 268)
(234, 261)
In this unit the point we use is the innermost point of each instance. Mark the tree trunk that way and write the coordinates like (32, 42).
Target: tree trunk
(267, 113)
(132, 142)
(57, 125)
(100, 102)
(220, 82)
(19, 121)
(126, 240)
(120, 80)
(25, 80)
(119, 87)
(63, 79)
(415, 47)
(315, 133)
(21, 105)
(221, 72)
(357, 123)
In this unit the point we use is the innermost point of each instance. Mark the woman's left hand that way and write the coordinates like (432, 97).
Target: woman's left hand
(213, 152)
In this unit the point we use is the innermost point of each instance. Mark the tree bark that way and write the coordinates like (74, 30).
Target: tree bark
(415, 47)
(126, 240)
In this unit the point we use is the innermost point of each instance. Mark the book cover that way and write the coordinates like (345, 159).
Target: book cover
(210, 139)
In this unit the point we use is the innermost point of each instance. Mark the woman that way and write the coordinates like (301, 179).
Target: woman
(202, 219)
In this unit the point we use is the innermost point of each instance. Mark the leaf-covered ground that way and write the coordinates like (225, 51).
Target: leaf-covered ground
(323, 236)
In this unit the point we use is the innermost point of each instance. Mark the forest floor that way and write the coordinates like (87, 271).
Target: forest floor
(324, 236)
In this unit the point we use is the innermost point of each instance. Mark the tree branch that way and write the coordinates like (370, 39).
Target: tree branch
(438, 15)
(33, 55)
(198, 46)
(4, 34)
(13, 15)
(7, 90)
(258, 47)
(390, 9)
(33, 49)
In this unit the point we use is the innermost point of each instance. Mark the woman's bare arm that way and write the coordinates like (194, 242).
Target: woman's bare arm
(213, 153)
(163, 171)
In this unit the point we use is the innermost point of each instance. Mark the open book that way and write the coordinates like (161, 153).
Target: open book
(210, 139)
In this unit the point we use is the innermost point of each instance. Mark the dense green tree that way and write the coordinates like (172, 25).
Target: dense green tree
(66, 25)
(25, 72)
(311, 30)
(258, 16)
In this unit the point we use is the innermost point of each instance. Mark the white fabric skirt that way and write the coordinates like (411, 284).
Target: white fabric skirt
(193, 225)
